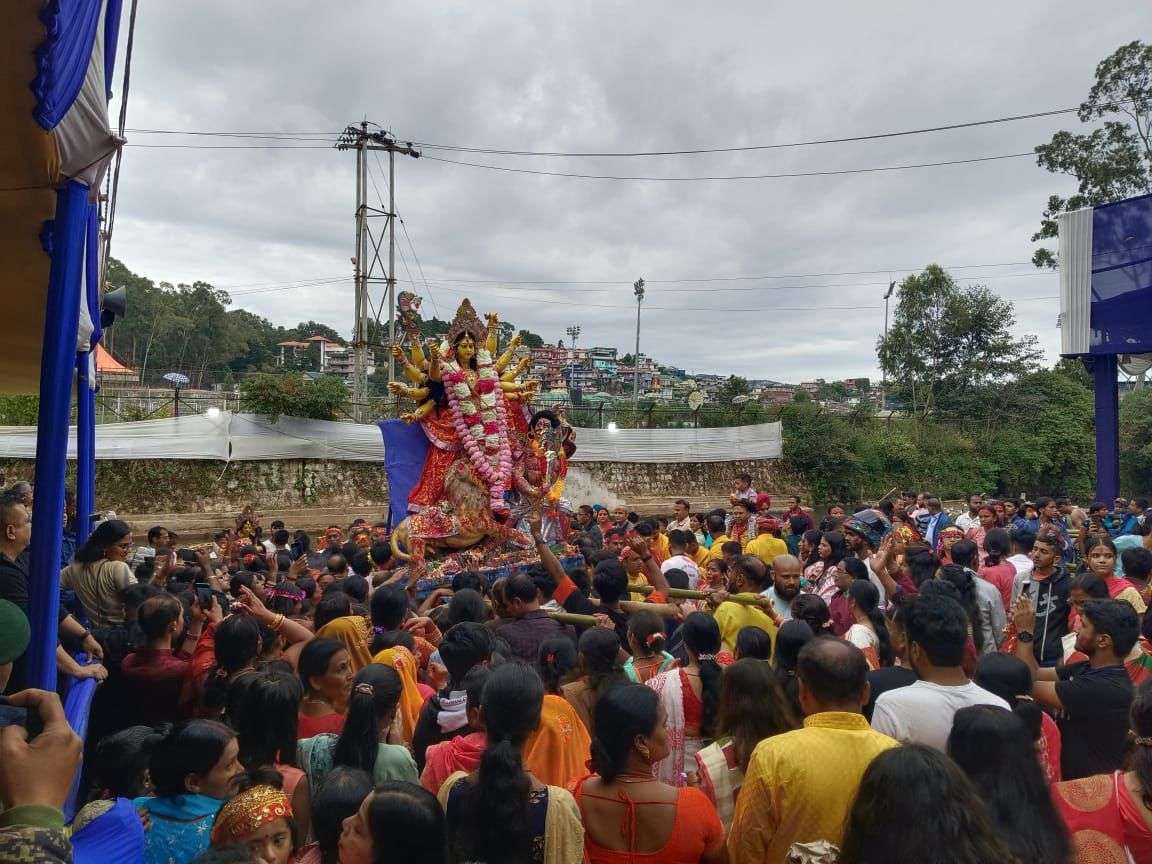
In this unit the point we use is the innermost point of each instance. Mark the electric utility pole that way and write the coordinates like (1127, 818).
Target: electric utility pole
(367, 257)
(638, 290)
(884, 374)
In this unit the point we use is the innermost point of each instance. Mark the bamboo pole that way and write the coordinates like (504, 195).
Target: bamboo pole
(573, 619)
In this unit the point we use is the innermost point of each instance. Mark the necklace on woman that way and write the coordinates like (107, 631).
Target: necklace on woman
(633, 778)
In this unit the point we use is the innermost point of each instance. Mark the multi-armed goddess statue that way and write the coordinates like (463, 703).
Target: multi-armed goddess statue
(491, 461)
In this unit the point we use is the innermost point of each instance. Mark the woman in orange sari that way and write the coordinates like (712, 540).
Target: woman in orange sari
(408, 711)
(1108, 814)
(353, 632)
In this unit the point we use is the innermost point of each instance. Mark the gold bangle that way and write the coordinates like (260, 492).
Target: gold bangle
(278, 621)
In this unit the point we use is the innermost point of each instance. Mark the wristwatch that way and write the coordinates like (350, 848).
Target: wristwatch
(1024, 636)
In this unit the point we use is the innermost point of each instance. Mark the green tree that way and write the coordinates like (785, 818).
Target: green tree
(949, 343)
(19, 410)
(821, 448)
(832, 391)
(293, 395)
(1112, 161)
(731, 388)
(531, 340)
(1136, 441)
(305, 329)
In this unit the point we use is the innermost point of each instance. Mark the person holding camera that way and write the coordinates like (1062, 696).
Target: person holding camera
(36, 773)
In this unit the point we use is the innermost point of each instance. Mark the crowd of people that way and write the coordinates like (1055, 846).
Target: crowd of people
(751, 684)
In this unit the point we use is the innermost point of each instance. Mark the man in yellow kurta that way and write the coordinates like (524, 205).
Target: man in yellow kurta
(766, 545)
(800, 785)
(748, 578)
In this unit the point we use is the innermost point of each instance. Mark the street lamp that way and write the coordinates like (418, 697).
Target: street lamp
(638, 290)
(884, 374)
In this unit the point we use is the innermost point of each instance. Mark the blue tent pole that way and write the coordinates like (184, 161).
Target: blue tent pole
(1104, 369)
(85, 449)
(85, 389)
(57, 362)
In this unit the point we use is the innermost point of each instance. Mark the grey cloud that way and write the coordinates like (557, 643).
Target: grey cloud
(613, 76)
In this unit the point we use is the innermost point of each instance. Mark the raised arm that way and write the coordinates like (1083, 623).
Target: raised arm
(492, 341)
(516, 371)
(506, 357)
(1043, 678)
(651, 569)
(250, 604)
(417, 393)
(411, 372)
(527, 388)
(548, 559)
(420, 413)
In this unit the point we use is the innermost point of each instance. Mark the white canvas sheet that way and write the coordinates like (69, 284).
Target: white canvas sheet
(246, 437)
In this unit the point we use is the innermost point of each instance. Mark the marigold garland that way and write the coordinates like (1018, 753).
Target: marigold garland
(482, 423)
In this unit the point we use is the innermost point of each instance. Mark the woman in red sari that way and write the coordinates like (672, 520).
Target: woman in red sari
(1100, 553)
(1109, 815)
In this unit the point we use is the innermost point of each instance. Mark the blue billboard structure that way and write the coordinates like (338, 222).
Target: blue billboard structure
(1106, 309)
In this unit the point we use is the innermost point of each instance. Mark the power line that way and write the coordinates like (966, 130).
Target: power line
(403, 258)
(419, 267)
(881, 270)
(276, 282)
(629, 307)
(232, 146)
(627, 154)
(873, 170)
(445, 283)
(281, 136)
(265, 287)
(319, 283)
(811, 308)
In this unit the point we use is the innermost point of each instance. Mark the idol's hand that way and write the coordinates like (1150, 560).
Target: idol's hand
(492, 318)
(408, 418)
(396, 387)
(397, 352)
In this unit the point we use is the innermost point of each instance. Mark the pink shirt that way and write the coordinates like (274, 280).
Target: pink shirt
(1001, 575)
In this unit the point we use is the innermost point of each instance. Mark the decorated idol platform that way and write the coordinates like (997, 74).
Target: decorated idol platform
(473, 462)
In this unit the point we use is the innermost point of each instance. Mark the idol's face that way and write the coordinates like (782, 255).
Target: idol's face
(465, 349)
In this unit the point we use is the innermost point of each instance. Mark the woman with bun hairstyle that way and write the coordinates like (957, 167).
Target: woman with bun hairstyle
(666, 824)
(646, 639)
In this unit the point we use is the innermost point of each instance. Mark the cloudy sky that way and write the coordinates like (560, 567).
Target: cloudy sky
(275, 227)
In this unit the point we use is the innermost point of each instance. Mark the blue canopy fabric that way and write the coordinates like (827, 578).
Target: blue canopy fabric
(63, 57)
(58, 359)
(405, 451)
(111, 34)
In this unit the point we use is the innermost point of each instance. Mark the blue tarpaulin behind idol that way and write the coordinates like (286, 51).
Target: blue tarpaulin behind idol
(405, 450)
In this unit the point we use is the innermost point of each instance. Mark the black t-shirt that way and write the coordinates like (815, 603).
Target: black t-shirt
(884, 679)
(578, 604)
(1094, 728)
(428, 731)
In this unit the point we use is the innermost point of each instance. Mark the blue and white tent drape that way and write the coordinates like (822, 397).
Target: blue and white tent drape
(57, 57)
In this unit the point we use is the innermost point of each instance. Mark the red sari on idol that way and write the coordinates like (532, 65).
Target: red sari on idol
(444, 450)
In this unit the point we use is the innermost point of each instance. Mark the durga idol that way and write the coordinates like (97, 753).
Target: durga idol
(467, 408)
